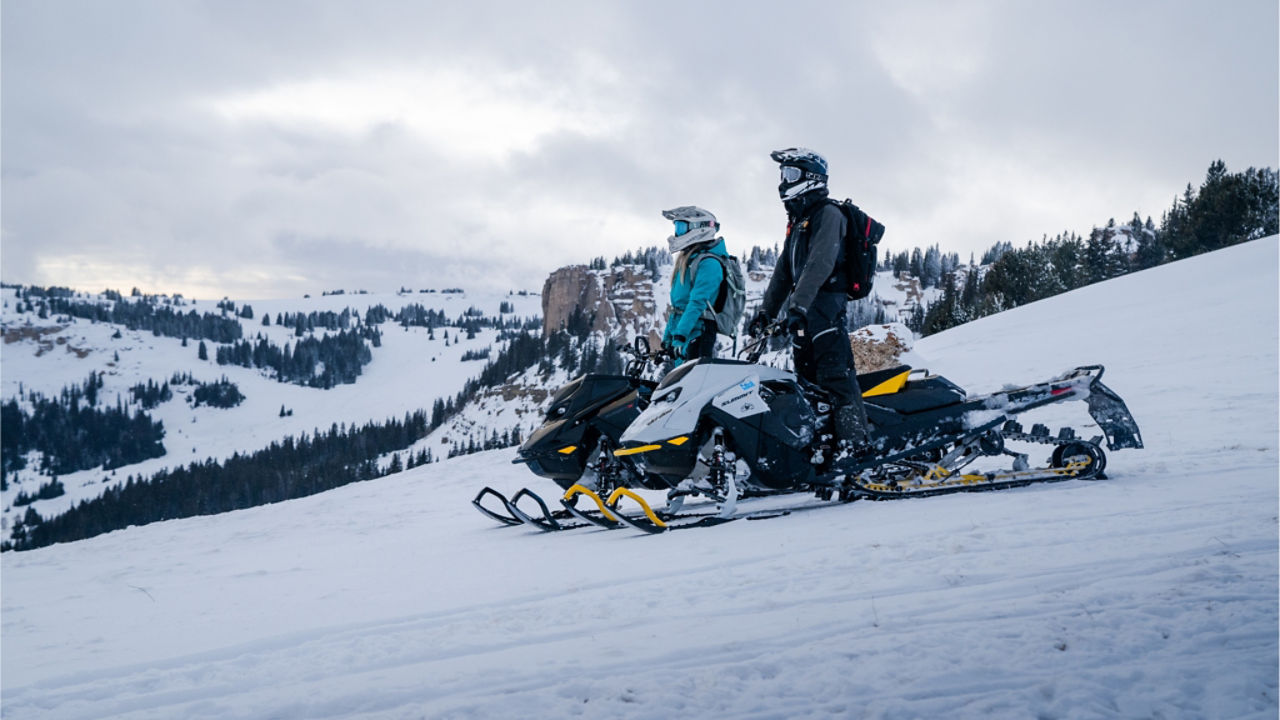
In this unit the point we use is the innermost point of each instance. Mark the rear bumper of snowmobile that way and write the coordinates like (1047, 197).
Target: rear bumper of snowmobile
(1083, 383)
(1112, 415)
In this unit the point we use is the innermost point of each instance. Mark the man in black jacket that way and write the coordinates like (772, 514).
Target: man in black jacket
(807, 289)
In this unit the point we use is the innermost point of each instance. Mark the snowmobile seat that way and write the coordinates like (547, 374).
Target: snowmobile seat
(928, 393)
(917, 400)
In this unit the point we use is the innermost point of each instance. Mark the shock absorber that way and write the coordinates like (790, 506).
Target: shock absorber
(717, 470)
(723, 474)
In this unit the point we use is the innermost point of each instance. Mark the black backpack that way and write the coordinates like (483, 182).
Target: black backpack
(862, 233)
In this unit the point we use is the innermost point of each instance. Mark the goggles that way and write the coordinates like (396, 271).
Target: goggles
(791, 173)
(683, 227)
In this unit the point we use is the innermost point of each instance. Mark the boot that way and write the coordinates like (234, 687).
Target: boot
(849, 425)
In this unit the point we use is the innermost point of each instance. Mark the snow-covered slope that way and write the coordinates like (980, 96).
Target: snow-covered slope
(1152, 594)
(408, 373)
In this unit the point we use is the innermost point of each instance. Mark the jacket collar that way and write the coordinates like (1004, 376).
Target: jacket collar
(799, 205)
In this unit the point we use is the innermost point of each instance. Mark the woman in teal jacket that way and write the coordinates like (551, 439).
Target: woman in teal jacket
(695, 283)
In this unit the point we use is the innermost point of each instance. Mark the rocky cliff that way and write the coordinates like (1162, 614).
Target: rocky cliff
(618, 301)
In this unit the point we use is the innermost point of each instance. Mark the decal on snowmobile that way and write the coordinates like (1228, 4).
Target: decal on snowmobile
(635, 450)
(890, 386)
(744, 401)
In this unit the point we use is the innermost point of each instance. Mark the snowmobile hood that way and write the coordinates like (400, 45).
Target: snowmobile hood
(679, 400)
(541, 440)
(587, 393)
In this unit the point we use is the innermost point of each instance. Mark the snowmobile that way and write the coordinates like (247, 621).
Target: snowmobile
(575, 443)
(730, 429)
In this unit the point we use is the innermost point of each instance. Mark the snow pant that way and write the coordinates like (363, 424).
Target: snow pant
(703, 345)
(823, 357)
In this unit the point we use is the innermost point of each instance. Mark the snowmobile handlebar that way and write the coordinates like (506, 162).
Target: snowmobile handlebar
(754, 349)
(642, 356)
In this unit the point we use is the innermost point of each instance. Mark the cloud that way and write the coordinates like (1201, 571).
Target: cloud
(287, 147)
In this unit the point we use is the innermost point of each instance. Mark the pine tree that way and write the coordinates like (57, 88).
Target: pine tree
(1097, 257)
(901, 263)
(932, 267)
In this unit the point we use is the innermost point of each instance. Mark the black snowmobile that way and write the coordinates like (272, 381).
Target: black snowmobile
(729, 429)
(575, 443)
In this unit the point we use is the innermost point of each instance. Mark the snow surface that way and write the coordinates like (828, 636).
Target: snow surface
(1149, 595)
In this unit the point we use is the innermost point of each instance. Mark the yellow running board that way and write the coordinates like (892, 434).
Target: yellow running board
(583, 490)
(648, 511)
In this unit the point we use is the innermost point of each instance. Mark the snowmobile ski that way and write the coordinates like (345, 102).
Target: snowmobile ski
(656, 522)
(650, 523)
(544, 519)
(602, 518)
(502, 516)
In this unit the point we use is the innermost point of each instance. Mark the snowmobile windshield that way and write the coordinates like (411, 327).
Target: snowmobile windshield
(563, 394)
(676, 375)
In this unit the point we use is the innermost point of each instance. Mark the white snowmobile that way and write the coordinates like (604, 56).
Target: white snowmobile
(729, 429)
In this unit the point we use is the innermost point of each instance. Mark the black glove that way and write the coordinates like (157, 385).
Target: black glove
(796, 322)
(758, 323)
(679, 347)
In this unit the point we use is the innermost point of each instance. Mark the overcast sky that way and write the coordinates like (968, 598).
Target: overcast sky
(269, 149)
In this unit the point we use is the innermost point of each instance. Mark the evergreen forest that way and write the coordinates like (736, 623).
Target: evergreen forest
(76, 431)
(1227, 209)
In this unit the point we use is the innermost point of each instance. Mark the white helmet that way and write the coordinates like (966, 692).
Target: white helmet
(694, 226)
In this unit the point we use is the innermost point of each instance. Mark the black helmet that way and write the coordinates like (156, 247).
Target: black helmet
(802, 170)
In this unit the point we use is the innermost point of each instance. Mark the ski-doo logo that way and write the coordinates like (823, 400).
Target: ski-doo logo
(747, 385)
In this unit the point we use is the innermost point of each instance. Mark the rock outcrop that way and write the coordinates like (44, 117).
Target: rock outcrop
(879, 347)
(618, 301)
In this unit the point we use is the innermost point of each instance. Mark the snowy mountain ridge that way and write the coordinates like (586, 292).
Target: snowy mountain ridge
(412, 368)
